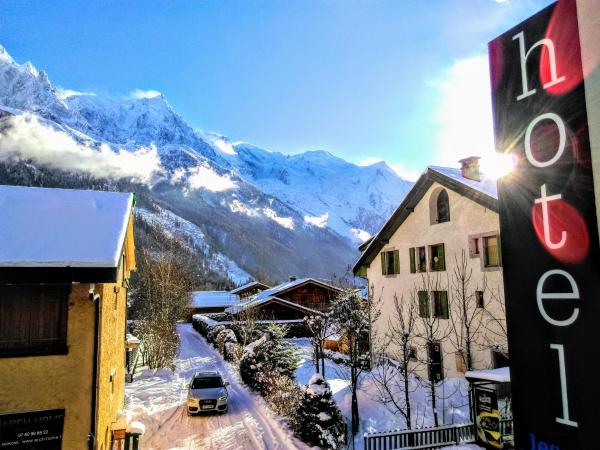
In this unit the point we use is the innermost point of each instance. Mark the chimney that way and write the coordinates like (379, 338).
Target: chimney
(469, 168)
(293, 278)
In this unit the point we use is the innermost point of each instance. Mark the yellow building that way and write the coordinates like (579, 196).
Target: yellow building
(415, 257)
(65, 261)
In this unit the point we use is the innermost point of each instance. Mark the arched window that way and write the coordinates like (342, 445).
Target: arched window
(443, 207)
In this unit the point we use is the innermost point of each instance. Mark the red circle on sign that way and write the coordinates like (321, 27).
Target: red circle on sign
(562, 217)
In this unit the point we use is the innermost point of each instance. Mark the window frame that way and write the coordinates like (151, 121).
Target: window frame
(440, 309)
(485, 252)
(432, 262)
(442, 194)
(385, 262)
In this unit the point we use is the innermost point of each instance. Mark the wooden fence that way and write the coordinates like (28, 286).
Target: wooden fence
(428, 438)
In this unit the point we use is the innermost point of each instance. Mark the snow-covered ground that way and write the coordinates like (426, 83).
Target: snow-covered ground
(373, 415)
(157, 398)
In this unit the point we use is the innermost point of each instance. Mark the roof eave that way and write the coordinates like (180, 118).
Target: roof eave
(411, 200)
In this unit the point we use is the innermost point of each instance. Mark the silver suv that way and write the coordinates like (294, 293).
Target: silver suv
(207, 391)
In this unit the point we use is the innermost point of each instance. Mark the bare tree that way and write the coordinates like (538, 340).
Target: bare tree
(466, 315)
(246, 323)
(353, 316)
(495, 334)
(397, 361)
(160, 296)
(432, 329)
(320, 329)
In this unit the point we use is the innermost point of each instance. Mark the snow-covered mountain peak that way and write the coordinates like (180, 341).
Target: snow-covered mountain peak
(5, 56)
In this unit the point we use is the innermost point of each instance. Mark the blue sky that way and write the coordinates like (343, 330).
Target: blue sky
(399, 80)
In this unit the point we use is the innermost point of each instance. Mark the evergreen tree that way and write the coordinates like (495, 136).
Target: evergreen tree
(319, 421)
(268, 356)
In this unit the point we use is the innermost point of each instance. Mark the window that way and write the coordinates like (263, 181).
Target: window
(440, 304)
(437, 258)
(474, 246)
(436, 368)
(479, 299)
(491, 251)
(500, 359)
(390, 262)
(33, 320)
(423, 303)
(418, 259)
(443, 207)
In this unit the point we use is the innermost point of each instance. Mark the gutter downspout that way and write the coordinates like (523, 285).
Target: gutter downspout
(95, 298)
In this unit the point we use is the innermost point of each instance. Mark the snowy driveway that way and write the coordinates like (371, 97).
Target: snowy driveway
(158, 400)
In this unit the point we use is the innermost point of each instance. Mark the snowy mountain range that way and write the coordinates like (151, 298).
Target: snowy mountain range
(255, 211)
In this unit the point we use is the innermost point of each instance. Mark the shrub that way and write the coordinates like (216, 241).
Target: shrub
(284, 397)
(319, 421)
(267, 357)
(213, 332)
(223, 337)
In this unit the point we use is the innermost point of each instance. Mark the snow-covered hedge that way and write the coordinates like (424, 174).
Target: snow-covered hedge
(225, 343)
(267, 357)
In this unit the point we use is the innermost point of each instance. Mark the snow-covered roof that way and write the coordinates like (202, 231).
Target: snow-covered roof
(248, 285)
(253, 302)
(43, 227)
(487, 186)
(483, 192)
(213, 299)
(501, 375)
(286, 286)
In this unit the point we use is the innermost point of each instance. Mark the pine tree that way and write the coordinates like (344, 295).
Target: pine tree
(319, 421)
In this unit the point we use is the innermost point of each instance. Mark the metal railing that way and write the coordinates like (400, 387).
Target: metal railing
(428, 438)
(423, 438)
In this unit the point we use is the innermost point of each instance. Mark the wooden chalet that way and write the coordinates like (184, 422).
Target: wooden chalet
(292, 300)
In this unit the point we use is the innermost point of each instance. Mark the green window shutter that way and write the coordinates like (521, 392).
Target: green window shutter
(362, 271)
(383, 264)
(411, 256)
(423, 304)
(441, 257)
(396, 261)
(444, 313)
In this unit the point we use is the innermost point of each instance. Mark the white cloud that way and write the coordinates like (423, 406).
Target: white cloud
(362, 235)
(285, 222)
(317, 221)
(224, 146)
(63, 94)
(26, 138)
(464, 116)
(204, 177)
(140, 93)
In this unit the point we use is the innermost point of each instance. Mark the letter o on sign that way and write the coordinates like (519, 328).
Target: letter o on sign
(562, 139)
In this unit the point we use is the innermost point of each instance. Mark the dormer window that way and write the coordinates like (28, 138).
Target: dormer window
(439, 206)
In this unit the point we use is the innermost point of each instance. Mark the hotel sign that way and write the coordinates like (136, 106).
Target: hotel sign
(549, 230)
(39, 430)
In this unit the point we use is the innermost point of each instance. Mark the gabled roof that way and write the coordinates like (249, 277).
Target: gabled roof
(289, 285)
(213, 299)
(62, 235)
(483, 192)
(251, 285)
(269, 294)
(265, 301)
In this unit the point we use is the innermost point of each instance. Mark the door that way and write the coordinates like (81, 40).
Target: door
(436, 370)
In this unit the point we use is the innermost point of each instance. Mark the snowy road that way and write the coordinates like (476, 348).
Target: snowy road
(158, 401)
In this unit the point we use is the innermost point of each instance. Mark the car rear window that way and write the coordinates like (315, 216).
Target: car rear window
(206, 382)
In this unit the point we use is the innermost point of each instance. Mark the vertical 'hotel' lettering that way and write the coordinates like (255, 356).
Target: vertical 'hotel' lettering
(549, 230)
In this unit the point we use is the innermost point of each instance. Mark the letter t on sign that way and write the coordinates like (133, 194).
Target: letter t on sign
(544, 200)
